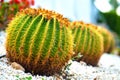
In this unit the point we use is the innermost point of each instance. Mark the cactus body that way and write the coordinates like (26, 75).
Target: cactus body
(109, 42)
(88, 42)
(39, 40)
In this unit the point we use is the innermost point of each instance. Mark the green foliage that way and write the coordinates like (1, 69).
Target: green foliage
(25, 78)
(111, 18)
(113, 21)
(78, 56)
(39, 40)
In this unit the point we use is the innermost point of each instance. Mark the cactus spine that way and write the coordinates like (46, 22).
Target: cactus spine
(39, 40)
(109, 42)
(88, 42)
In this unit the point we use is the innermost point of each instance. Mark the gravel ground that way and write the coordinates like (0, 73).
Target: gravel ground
(108, 69)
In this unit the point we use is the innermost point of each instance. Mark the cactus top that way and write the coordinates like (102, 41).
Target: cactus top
(83, 24)
(77, 24)
(47, 14)
(103, 30)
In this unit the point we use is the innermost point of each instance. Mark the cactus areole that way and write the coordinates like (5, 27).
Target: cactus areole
(39, 40)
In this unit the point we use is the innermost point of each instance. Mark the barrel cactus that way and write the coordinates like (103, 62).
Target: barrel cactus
(88, 42)
(39, 40)
(109, 42)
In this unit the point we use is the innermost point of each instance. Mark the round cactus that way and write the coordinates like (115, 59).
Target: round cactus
(88, 42)
(109, 42)
(39, 40)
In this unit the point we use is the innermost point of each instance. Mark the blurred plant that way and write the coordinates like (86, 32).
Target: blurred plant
(9, 9)
(109, 13)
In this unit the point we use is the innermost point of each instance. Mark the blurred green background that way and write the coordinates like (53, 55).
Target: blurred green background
(109, 14)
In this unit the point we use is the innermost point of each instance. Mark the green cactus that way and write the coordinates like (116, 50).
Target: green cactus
(39, 40)
(109, 42)
(88, 42)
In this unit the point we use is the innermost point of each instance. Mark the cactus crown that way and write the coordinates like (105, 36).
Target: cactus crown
(47, 14)
(77, 24)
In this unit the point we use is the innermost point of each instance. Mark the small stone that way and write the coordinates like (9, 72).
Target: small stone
(17, 66)
(83, 63)
(57, 77)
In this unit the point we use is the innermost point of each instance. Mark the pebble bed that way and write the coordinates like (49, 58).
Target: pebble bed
(108, 69)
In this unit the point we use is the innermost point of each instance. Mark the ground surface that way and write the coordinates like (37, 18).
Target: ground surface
(108, 69)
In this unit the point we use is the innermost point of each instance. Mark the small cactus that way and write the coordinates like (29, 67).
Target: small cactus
(88, 42)
(109, 42)
(39, 40)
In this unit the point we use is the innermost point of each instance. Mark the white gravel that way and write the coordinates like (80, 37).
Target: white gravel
(109, 69)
